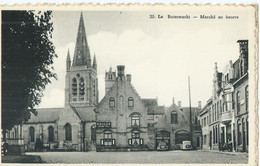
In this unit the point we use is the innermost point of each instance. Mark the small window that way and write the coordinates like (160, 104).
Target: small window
(174, 117)
(135, 120)
(112, 102)
(67, 132)
(130, 102)
(31, 134)
(108, 141)
(135, 138)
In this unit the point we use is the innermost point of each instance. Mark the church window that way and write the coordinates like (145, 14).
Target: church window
(174, 117)
(112, 102)
(246, 97)
(31, 134)
(135, 120)
(67, 132)
(50, 134)
(81, 89)
(130, 102)
(74, 89)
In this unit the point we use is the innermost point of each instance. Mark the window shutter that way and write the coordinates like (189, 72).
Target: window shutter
(101, 142)
(141, 141)
(130, 141)
(113, 141)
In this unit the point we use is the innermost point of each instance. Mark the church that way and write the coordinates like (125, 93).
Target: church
(71, 127)
(121, 121)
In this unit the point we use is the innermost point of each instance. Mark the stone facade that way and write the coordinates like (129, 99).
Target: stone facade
(126, 114)
(228, 115)
(71, 127)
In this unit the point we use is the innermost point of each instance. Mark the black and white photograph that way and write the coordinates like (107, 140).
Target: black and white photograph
(129, 84)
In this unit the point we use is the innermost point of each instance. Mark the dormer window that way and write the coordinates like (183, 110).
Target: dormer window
(111, 102)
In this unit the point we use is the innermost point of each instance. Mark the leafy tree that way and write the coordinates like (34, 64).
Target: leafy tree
(27, 63)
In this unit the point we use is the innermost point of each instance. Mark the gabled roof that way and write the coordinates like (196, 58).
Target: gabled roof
(86, 114)
(45, 115)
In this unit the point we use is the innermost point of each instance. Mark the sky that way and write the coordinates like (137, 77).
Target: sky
(159, 53)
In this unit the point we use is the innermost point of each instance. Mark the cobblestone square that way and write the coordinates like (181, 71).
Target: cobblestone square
(163, 157)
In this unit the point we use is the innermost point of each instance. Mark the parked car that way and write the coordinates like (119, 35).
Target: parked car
(186, 145)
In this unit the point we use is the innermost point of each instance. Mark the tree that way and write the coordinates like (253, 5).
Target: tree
(27, 63)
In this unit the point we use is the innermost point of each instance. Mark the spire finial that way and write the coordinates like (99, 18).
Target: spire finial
(216, 66)
(68, 55)
(95, 61)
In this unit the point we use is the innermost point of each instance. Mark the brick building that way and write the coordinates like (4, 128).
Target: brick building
(228, 109)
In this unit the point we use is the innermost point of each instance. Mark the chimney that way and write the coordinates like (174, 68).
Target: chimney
(173, 100)
(179, 103)
(128, 77)
(121, 71)
(199, 104)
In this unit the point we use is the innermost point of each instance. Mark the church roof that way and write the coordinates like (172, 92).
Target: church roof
(81, 53)
(45, 115)
(86, 114)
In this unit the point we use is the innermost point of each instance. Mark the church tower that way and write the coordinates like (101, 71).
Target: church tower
(81, 83)
(109, 79)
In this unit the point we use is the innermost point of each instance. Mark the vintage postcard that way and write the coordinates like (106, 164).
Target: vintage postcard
(129, 84)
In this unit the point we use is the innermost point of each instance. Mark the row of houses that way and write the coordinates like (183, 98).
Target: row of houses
(224, 118)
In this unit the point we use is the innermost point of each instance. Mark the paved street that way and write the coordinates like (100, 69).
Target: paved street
(141, 157)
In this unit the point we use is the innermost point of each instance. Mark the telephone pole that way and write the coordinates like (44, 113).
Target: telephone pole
(190, 113)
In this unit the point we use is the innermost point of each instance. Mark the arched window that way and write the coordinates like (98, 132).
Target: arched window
(135, 120)
(174, 117)
(31, 134)
(246, 97)
(74, 89)
(67, 128)
(239, 133)
(81, 89)
(50, 134)
(112, 102)
(130, 102)
(238, 102)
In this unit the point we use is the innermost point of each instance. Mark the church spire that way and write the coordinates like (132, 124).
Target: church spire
(81, 53)
(68, 62)
(95, 62)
